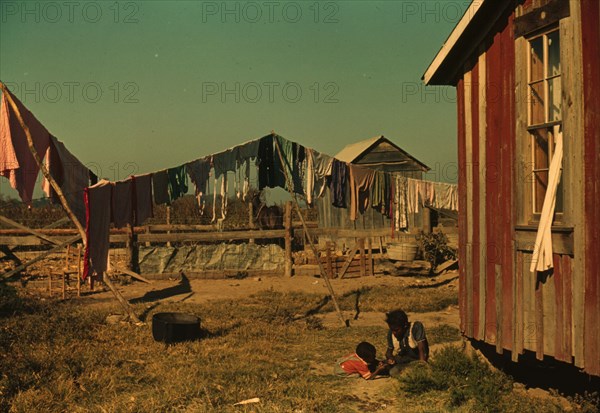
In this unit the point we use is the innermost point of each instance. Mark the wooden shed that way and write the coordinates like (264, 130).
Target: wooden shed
(377, 153)
(527, 74)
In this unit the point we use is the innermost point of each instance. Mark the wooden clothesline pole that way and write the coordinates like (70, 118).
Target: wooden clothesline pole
(61, 196)
(290, 183)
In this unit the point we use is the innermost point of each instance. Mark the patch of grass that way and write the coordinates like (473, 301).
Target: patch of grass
(442, 333)
(469, 383)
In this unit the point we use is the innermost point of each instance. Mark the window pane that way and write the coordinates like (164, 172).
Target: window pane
(554, 99)
(553, 53)
(541, 163)
(539, 190)
(536, 103)
(541, 159)
(537, 59)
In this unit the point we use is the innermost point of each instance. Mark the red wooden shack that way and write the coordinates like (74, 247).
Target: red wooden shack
(522, 70)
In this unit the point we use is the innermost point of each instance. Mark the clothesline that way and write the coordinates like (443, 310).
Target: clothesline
(131, 201)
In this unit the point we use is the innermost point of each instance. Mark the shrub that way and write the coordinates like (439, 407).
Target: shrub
(435, 249)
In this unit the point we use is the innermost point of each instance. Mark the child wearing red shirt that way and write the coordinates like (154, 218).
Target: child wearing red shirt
(362, 362)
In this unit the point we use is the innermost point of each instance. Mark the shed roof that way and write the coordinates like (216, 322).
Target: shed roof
(470, 31)
(354, 152)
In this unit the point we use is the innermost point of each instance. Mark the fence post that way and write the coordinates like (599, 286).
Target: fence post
(251, 219)
(361, 247)
(168, 222)
(288, 238)
(370, 262)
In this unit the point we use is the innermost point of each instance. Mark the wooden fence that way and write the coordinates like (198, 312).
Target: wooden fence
(358, 260)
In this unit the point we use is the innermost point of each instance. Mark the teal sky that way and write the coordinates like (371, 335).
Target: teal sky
(133, 87)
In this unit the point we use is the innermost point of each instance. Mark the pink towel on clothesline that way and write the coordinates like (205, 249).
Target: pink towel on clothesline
(16, 161)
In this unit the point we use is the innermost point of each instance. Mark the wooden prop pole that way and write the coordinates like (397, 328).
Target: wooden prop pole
(289, 182)
(60, 195)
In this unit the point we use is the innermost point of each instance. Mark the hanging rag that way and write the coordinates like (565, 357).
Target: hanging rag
(224, 162)
(401, 218)
(267, 174)
(380, 195)
(323, 165)
(178, 185)
(284, 169)
(160, 185)
(142, 201)
(542, 252)
(339, 177)
(122, 203)
(16, 161)
(361, 180)
(198, 172)
(69, 174)
(98, 205)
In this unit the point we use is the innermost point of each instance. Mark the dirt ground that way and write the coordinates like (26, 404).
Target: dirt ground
(378, 392)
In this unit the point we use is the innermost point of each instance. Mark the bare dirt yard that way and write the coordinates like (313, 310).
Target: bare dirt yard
(273, 339)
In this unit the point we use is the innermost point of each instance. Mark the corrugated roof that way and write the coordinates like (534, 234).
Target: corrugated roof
(353, 151)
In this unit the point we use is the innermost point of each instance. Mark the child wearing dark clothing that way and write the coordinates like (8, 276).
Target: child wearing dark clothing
(362, 362)
(407, 341)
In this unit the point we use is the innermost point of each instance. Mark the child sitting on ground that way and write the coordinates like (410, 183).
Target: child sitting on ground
(363, 362)
(406, 341)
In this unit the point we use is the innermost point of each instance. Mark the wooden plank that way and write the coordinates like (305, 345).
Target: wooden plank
(573, 169)
(33, 241)
(507, 179)
(482, 72)
(539, 17)
(499, 313)
(549, 309)
(557, 279)
(469, 201)
(494, 66)
(539, 320)
(132, 274)
(518, 313)
(475, 205)
(529, 335)
(351, 255)
(567, 282)
(213, 236)
(370, 256)
(462, 210)
(38, 234)
(590, 24)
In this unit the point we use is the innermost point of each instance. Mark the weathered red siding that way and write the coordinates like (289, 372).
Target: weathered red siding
(500, 138)
(519, 311)
(474, 181)
(591, 79)
(462, 203)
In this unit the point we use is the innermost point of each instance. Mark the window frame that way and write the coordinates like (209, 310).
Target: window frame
(545, 127)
